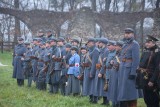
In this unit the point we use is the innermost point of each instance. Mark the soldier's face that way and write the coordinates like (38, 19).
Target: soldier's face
(39, 34)
(118, 48)
(100, 44)
(90, 44)
(47, 45)
(128, 35)
(149, 44)
(59, 43)
(83, 51)
(74, 43)
(49, 33)
(110, 47)
(73, 52)
(68, 49)
(20, 41)
(34, 42)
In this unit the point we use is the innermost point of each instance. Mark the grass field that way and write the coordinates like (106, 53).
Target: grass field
(13, 96)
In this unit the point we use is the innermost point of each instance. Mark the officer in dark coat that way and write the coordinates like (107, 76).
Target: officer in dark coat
(148, 70)
(49, 35)
(75, 42)
(127, 92)
(18, 54)
(90, 70)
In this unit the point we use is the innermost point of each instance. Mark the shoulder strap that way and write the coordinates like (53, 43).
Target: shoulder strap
(89, 58)
(150, 57)
(127, 48)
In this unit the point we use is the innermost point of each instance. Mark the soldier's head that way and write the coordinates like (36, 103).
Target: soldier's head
(97, 42)
(27, 44)
(119, 45)
(60, 41)
(39, 40)
(103, 42)
(75, 42)
(42, 45)
(74, 49)
(84, 49)
(53, 41)
(40, 33)
(129, 33)
(111, 45)
(150, 41)
(34, 41)
(68, 47)
(47, 44)
(48, 33)
(20, 40)
(91, 42)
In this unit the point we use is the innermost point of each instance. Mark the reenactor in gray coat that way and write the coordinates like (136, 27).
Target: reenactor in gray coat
(127, 92)
(49, 35)
(113, 79)
(100, 70)
(64, 76)
(27, 64)
(73, 83)
(18, 54)
(90, 70)
(41, 35)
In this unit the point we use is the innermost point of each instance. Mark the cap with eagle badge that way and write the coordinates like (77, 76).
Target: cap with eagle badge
(151, 38)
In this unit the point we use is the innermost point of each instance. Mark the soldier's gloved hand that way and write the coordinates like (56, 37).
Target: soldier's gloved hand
(131, 77)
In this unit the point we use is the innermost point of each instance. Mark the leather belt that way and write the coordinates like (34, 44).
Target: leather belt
(127, 60)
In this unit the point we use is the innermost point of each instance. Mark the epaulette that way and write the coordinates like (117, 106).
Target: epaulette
(157, 50)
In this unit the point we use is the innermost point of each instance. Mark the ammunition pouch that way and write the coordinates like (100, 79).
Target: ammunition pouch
(56, 59)
(86, 64)
(98, 66)
(105, 88)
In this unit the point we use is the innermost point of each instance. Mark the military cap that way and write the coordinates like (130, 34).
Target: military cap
(75, 40)
(49, 30)
(26, 43)
(40, 31)
(39, 39)
(111, 42)
(103, 40)
(20, 39)
(53, 39)
(91, 40)
(48, 41)
(34, 39)
(68, 45)
(84, 47)
(74, 48)
(119, 43)
(129, 30)
(151, 38)
(60, 39)
(42, 43)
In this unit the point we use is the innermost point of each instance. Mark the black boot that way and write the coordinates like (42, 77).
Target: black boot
(123, 104)
(105, 101)
(95, 100)
(91, 98)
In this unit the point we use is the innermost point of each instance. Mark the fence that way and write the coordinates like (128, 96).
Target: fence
(6, 45)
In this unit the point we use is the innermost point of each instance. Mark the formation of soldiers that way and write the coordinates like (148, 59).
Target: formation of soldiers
(112, 70)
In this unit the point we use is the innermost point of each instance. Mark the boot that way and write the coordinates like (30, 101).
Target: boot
(91, 98)
(95, 100)
(132, 103)
(105, 101)
(123, 104)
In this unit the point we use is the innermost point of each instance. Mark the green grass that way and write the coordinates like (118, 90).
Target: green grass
(13, 96)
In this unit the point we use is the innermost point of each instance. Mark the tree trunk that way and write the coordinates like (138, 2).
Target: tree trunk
(17, 22)
(93, 2)
(157, 4)
(107, 4)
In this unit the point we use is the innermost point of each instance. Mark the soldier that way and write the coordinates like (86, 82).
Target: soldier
(75, 42)
(49, 35)
(100, 70)
(127, 92)
(90, 70)
(41, 35)
(36, 43)
(73, 83)
(27, 66)
(18, 54)
(113, 79)
(148, 70)
(50, 73)
(65, 62)
(41, 82)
